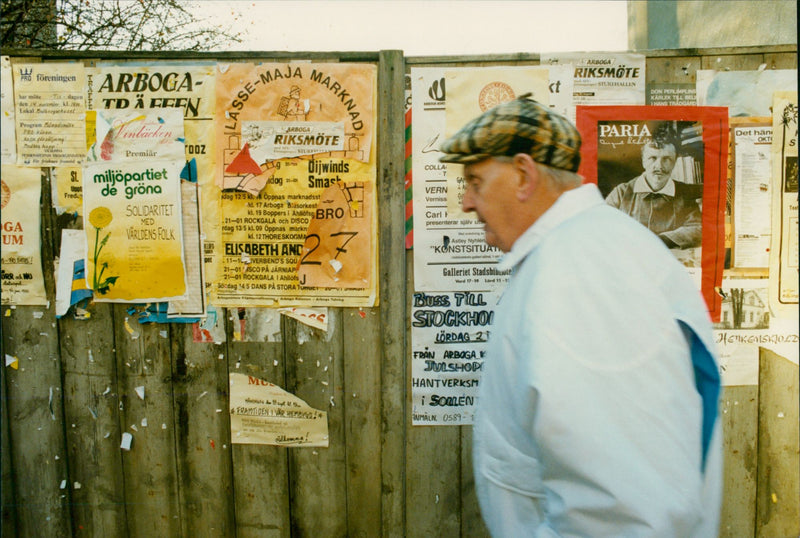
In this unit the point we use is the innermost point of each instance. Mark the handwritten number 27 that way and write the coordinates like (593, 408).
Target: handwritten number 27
(339, 249)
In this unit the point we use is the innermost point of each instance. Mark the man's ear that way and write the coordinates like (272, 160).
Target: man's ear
(528, 175)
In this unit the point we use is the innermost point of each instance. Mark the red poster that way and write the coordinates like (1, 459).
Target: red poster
(665, 166)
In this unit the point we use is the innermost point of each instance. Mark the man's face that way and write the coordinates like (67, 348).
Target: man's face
(490, 192)
(658, 164)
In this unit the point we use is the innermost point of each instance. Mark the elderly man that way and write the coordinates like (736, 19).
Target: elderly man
(655, 200)
(597, 409)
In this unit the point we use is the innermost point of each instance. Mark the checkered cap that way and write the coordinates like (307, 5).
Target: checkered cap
(518, 126)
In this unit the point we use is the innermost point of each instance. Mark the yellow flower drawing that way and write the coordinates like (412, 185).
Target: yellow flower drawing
(100, 217)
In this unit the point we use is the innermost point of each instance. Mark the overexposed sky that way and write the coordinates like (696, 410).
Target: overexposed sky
(425, 27)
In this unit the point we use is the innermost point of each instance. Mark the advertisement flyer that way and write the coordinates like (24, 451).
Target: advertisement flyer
(783, 261)
(49, 112)
(23, 280)
(449, 249)
(604, 78)
(449, 335)
(296, 172)
(265, 414)
(752, 196)
(674, 187)
(132, 207)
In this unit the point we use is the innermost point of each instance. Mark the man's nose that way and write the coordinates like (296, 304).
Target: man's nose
(467, 203)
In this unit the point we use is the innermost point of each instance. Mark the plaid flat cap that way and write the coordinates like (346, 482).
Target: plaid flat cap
(519, 126)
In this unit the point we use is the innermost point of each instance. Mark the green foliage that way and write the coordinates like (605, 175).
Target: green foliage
(111, 25)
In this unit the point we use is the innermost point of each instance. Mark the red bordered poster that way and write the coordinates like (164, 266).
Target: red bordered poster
(614, 140)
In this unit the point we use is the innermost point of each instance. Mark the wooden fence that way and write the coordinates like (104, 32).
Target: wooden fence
(66, 406)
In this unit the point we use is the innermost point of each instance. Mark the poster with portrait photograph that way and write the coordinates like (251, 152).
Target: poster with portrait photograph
(665, 167)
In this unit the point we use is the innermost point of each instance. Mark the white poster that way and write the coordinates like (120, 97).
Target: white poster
(449, 336)
(604, 78)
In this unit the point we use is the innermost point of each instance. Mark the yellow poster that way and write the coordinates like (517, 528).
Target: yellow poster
(132, 207)
(473, 91)
(286, 134)
(23, 281)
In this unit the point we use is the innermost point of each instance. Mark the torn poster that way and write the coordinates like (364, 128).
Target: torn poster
(745, 93)
(50, 105)
(265, 414)
(8, 140)
(71, 286)
(23, 280)
(783, 260)
(690, 195)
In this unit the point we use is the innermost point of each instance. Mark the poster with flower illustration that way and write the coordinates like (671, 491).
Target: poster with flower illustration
(132, 222)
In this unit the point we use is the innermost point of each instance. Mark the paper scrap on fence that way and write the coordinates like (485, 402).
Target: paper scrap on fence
(265, 414)
(23, 279)
(783, 259)
(50, 108)
(745, 93)
(70, 277)
(8, 140)
(313, 317)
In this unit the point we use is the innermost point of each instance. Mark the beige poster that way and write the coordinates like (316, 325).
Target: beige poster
(287, 134)
(23, 281)
(471, 92)
(49, 113)
(783, 260)
(265, 414)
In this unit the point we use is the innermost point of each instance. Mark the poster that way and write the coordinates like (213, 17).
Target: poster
(752, 196)
(450, 252)
(746, 324)
(783, 261)
(296, 172)
(8, 141)
(132, 207)
(687, 211)
(23, 280)
(449, 336)
(745, 93)
(471, 92)
(49, 113)
(188, 87)
(265, 414)
(604, 78)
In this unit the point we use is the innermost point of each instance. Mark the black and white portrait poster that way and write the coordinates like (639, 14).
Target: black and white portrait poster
(666, 167)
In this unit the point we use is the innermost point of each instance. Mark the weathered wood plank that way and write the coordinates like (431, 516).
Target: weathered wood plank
(778, 502)
(35, 403)
(9, 523)
(317, 477)
(472, 524)
(91, 408)
(149, 467)
(393, 291)
(200, 391)
(260, 472)
(739, 416)
(362, 404)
